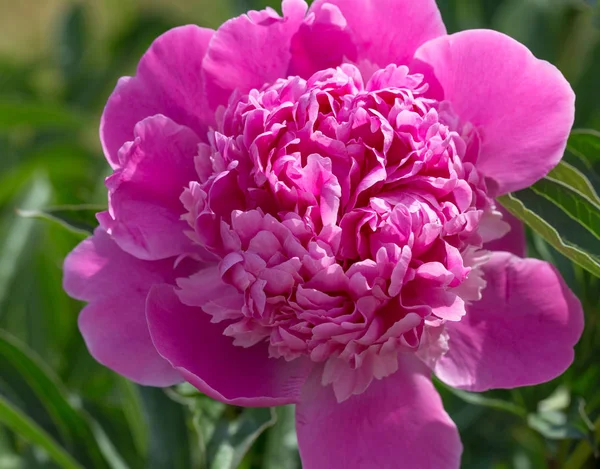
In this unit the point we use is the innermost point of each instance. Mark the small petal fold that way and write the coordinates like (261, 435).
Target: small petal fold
(168, 81)
(371, 33)
(248, 51)
(207, 359)
(145, 210)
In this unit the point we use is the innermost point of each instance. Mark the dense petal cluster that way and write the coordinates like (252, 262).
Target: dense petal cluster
(345, 219)
(302, 210)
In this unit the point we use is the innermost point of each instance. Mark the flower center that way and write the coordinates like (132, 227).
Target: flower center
(345, 216)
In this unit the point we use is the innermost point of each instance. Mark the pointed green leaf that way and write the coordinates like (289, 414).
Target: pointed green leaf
(480, 399)
(79, 219)
(70, 422)
(579, 207)
(31, 432)
(19, 232)
(529, 207)
(575, 179)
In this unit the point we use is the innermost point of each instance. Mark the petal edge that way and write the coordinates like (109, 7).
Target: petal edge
(394, 421)
(207, 359)
(519, 334)
(523, 106)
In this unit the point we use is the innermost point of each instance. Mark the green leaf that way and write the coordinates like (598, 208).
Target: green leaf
(70, 422)
(575, 179)
(16, 114)
(31, 432)
(40, 380)
(282, 443)
(206, 414)
(108, 449)
(80, 219)
(226, 433)
(134, 413)
(233, 438)
(112, 430)
(169, 444)
(528, 207)
(578, 206)
(480, 399)
(18, 233)
(585, 143)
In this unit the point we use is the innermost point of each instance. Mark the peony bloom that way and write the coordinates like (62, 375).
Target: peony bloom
(303, 211)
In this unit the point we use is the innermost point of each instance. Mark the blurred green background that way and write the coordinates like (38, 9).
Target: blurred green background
(59, 60)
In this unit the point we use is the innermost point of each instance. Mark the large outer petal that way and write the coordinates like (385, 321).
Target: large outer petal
(521, 333)
(380, 32)
(145, 210)
(248, 51)
(113, 324)
(398, 422)
(207, 359)
(168, 81)
(523, 107)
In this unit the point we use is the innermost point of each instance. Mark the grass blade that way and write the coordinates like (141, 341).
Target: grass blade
(71, 424)
(31, 432)
(19, 233)
(519, 205)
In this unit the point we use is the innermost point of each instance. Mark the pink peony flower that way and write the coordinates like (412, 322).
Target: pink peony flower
(302, 211)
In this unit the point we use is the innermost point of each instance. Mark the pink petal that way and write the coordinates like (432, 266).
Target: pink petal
(248, 51)
(207, 290)
(378, 32)
(145, 210)
(114, 323)
(523, 107)
(398, 422)
(323, 41)
(168, 81)
(514, 241)
(521, 333)
(207, 359)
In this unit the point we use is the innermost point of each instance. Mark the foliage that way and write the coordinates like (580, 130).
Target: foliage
(59, 408)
